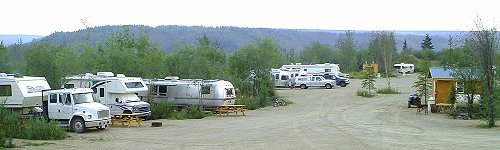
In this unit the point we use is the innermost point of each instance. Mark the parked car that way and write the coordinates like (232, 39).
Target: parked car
(340, 81)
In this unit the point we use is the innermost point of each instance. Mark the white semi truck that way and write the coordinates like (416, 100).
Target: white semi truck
(118, 92)
(73, 108)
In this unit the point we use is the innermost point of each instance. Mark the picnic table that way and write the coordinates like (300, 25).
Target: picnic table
(231, 109)
(443, 106)
(126, 118)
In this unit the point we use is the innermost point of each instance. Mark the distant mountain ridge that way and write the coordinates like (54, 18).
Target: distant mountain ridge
(17, 38)
(232, 38)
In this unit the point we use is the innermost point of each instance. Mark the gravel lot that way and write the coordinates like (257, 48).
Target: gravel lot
(319, 119)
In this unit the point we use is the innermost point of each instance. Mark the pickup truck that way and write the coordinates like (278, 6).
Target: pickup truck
(341, 81)
(305, 82)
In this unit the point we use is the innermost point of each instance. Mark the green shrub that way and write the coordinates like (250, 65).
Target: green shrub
(161, 110)
(356, 75)
(387, 90)
(40, 129)
(8, 127)
(365, 93)
(195, 113)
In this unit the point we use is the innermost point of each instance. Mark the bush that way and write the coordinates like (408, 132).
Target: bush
(40, 129)
(161, 110)
(365, 93)
(8, 127)
(388, 90)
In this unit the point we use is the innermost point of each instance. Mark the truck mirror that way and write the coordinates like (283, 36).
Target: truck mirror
(117, 100)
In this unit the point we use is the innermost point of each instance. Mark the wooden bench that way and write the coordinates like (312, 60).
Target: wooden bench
(126, 118)
(443, 106)
(231, 109)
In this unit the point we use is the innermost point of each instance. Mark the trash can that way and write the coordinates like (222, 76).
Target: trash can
(431, 104)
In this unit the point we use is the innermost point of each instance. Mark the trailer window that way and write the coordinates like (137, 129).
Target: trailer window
(328, 70)
(229, 92)
(5, 90)
(162, 90)
(69, 86)
(205, 89)
(277, 76)
(134, 85)
(284, 77)
(53, 98)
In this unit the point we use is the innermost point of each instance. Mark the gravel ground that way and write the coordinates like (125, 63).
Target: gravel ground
(319, 119)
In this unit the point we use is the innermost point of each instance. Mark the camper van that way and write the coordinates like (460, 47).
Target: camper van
(117, 92)
(72, 108)
(404, 68)
(325, 68)
(190, 91)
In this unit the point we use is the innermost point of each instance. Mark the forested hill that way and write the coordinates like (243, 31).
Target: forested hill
(232, 38)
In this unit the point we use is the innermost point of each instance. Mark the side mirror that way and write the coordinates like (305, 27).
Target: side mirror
(117, 100)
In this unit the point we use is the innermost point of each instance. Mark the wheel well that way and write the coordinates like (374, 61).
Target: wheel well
(76, 117)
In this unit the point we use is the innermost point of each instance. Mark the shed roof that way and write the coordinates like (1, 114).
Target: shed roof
(440, 72)
(445, 73)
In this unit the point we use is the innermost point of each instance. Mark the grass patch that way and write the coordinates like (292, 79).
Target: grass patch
(40, 129)
(27, 143)
(164, 110)
(365, 93)
(387, 90)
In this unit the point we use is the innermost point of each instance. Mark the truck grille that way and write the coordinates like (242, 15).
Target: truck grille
(144, 109)
(103, 114)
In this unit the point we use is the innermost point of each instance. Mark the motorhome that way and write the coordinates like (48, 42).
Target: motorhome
(190, 91)
(282, 77)
(73, 108)
(325, 68)
(117, 92)
(404, 68)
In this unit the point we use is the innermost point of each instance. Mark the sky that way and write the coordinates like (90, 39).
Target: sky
(43, 17)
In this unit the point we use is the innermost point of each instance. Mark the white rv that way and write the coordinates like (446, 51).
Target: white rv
(191, 91)
(31, 96)
(117, 92)
(404, 68)
(325, 68)
(282, 77)
(22, 94)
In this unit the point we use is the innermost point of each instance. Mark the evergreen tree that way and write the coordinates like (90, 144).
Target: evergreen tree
(369, 79)
(427, 43)
(4, 58)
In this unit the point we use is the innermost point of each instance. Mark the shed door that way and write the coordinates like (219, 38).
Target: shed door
(443, 91)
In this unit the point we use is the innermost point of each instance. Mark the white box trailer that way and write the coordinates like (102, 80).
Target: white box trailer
(117, 92)
(22, 94)
(191, 91)
(404, 68)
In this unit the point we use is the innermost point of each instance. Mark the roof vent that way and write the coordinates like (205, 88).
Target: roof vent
(105, 74)
(171, 78)
(120, 75)
(3, 75)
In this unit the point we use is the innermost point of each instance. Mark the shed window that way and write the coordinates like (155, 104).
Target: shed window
(459, 87)
(5, 90)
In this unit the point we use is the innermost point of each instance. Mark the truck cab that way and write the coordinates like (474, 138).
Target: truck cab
(305, 82)
(75, 108)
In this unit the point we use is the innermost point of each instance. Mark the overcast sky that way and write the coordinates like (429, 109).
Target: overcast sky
(43, 17)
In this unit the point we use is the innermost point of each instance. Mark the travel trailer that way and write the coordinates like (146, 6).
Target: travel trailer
(325, 68)
(73, 108)
(282, 77)
(190, 91)
(404, 68)
(117, 92)
(23, 94)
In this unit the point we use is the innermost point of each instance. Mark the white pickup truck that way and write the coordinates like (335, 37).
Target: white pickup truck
(305, 82)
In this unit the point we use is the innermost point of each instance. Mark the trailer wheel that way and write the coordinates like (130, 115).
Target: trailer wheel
(303, 86)
(328, 86)
(78, 125)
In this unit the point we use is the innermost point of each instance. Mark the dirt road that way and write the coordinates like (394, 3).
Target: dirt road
(319, 119)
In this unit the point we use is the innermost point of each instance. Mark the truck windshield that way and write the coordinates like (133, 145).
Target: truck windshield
(83, 98)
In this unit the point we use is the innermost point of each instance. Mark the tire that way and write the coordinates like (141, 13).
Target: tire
(409, 105)
(78, 125)
(303, 86)
(342, 84)
(328, 86)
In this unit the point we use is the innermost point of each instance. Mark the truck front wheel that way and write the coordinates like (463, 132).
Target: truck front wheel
(78, 125)
(303, 86)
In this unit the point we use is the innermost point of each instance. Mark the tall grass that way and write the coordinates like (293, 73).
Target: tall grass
(388, 90)
(164, 110)
(365, 93)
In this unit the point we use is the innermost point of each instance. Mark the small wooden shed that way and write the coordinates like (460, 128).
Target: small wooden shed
(442, 82)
